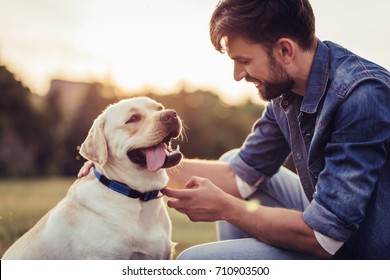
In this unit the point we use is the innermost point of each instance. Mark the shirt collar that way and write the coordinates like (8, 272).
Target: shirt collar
(318, 79)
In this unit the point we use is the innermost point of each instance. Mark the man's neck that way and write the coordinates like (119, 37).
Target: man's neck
(301, 71)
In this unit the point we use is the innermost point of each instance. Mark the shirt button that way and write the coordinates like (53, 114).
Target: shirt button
(285, 104)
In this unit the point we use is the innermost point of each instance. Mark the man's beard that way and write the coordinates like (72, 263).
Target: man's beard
(279, 83)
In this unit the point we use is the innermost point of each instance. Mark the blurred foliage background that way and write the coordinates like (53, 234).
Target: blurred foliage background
(39, 135)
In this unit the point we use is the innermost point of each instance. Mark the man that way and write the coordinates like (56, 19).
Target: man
(331, 110)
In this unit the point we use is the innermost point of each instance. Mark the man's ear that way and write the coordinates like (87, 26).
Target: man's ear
(284, 49)
(94, 147)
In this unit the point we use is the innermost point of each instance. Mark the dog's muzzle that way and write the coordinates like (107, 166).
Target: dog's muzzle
(161, 155)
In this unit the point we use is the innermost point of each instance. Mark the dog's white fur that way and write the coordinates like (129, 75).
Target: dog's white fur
(95, 222)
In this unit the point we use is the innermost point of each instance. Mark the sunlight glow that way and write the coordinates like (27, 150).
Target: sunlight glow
(151, 43)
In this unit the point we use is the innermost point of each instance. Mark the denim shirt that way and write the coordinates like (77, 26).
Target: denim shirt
(339, 138)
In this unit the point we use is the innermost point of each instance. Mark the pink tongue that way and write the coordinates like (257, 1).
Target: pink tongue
(155, 157)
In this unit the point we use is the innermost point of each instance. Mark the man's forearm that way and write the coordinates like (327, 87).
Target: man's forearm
(218, 172)
(276, 226)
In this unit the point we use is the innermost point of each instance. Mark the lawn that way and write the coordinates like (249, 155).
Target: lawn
(24, 202)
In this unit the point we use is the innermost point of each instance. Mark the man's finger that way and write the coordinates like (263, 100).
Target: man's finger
(174, 203)
(85, 169)
(176, 193)
(191, 184)
(194, 182)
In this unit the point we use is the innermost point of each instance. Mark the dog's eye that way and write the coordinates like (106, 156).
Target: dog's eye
(160, 108)
(134, 118)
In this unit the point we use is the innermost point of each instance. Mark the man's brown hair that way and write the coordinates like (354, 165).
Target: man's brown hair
(263, 21)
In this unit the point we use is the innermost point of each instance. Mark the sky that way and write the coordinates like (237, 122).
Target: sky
(156, 43)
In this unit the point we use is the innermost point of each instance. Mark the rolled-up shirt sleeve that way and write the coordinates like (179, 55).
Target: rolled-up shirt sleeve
(354, 159)
(263, 152)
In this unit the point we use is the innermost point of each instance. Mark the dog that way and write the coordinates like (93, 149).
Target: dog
(116, 211)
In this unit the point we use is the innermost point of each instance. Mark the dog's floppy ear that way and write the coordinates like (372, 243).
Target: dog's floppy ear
(94, 147)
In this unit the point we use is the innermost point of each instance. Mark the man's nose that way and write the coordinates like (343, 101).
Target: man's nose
(239, 72)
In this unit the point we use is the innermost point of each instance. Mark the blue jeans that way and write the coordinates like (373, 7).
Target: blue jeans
(282, 190)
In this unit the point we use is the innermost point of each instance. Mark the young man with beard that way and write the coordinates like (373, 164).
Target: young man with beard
(330, 109)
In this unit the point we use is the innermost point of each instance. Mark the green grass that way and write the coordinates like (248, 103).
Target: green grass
(24, 202)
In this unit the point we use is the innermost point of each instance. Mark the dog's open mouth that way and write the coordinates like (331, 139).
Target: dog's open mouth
(157, 156)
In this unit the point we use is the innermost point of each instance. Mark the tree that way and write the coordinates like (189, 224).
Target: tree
(21, 127)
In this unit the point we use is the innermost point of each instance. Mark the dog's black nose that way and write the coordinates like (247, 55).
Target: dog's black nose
(168, 116)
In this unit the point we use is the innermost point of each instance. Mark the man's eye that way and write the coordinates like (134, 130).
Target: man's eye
(134, 118)
(244, 62)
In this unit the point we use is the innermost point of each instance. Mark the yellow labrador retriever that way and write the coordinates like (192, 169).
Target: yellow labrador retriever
(116, 211)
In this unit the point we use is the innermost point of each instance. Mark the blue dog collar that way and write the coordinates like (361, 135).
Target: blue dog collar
(125, 189)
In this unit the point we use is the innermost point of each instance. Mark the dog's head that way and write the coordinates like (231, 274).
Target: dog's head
(136, 130)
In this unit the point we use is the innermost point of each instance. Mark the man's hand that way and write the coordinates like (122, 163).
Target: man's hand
(201, 200)
(85, 169)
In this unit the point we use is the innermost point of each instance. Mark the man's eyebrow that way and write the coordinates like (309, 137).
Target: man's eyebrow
(239, 57)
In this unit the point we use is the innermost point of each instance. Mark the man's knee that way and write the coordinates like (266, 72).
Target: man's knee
(194, 253)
